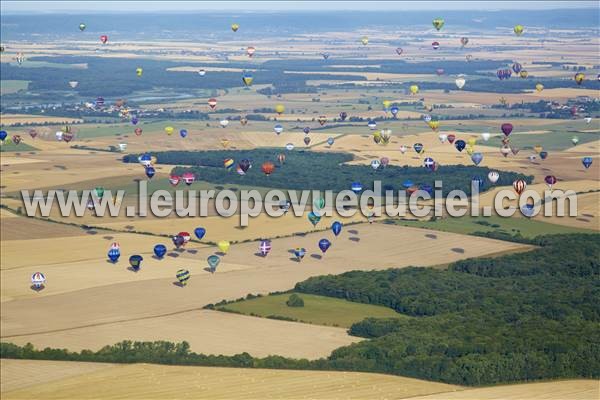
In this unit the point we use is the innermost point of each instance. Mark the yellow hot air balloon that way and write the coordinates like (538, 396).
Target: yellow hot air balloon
(139, 71)
(434, 125)
(224, 142)
(247, 79)
(169, 130)
(387, 104)
(470, 150)
(279, 109)
(518, 29)
(537, 148)
(471, 142)
(377, 137)
(523, 74)
(223, 245)
(364, 40)
(153, 160)
(579, 77)
(414, 89)
(235, 27)
(539, 87)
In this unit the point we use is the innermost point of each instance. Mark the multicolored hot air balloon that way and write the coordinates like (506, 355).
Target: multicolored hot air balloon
(435, 45)
(314, 218)
(235, 27)
(212, 103)
(114, 253)
(519, 185)
(188, 178)
(265, 247)
(38, 280)
(247, 78)
(299, 252)
(438, 23)
(136, 262)
(579, 77)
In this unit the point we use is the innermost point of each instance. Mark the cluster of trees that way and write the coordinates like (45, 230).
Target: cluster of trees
(306, 170)
(482, 321)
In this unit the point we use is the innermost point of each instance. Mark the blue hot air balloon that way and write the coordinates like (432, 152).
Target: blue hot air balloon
(134, 120)
(460, 145)
(314, 218)
(418, 147)
(407, 183)
(394, 110)
(476, 158)
(429, 163)
(336, 227)
(543, 155)
(356, 187)
(150, 171)
(3, 135)
(586, 161)
(183, 133)
(199, 232)
(324, 245)
(306, 130)
(372, 125)
(299, 252)
(114, 254)
(330, 141)
(145, 159)
(135, 261)
(160, 250)
(178, 241)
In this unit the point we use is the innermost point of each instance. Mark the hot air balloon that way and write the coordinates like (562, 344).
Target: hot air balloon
(336, 228)
(38, 280)
(518, 29)
(587, 162)
(356, 187)
(429, 163)
(550, 180)
(278, 128)
(364, 40)
(212, 103)
(372, 125)
(438, 23)
(384, 161)
(16, 139)
(247, 78)
(3, 135)
(324, 244)
(451, 138)
(178, 241)
(279, 109)
(243, 121)
(539, 87)
(223, 245)
(199, 232)
(543, 155)
(114, 253)
(414, 89)
(394, 110)
(245, 165)
(139, 71)
(433, 124)
(183, 275)
(183, 133)
(476, 158)
(201, 72)
(299, 252)
(145, 159)
(386, 104)
(485, 136)
(136, 262)
(138, 131)
(440, 71)
(435, 45)
(399, 50)
(281, 158)
(267, 168)
(160, 250)
(235, 27)
(469, 57)
(306, 140)
(506, 129)
(343, 115)
(169, 130)
(250, 50)
(82, 27)
(375, 164)
(579, 77)
(460, 145)
(213, 262)
(314, 218)
(330, 141)
(574, 140)
(289, 146)
(517, 67)
(104, 39)
(228, 163)
(493, 176)
(443, 137)
(265, 247)
(322, 119)
(504, 73)
(150, 171)
(418, 147)
(73, 84)
(464, 41)
(385, 135)
(519, 185)
(174, 180)
(188, 178)
(325, 55)
(460, 81)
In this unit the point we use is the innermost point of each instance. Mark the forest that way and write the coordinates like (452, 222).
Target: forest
(307, 170)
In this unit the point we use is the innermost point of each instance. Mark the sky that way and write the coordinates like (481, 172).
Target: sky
(19, 7)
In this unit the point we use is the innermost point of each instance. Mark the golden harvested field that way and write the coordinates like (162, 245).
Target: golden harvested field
(94, 289)
(145, 381)
(579, 389)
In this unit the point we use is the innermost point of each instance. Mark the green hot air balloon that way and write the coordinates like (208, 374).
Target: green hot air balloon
(99, 192)
(183, 275)
(438, 23)
(82, 27)
(213, 262)
(319, 203)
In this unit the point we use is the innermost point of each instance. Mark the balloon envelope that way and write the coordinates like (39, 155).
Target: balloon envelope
(160, 250)
(324, 245)
(336, 228)
(199, 232)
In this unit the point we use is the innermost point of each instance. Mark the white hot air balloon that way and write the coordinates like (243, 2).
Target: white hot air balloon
(289, 146)
(427, 118)
(37, 280)
(588, 120)
(59, 135)
(73, 84)
(375, 164)
(443, 137)
(460, 81)
(201, 72)
(403, 149)
(486, 136)
(493, 176)
(224, 123)
(122, 146)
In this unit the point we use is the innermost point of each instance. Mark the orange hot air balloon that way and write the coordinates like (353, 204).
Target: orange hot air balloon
(267, 168)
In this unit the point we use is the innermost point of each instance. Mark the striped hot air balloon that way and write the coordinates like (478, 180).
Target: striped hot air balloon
(183, 275)
(519, 185)
(37, 280)
(264, 247)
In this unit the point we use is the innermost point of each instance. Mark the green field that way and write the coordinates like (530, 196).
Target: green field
(512, 226)
(11, 147)
(12, 86)
(319, 310)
